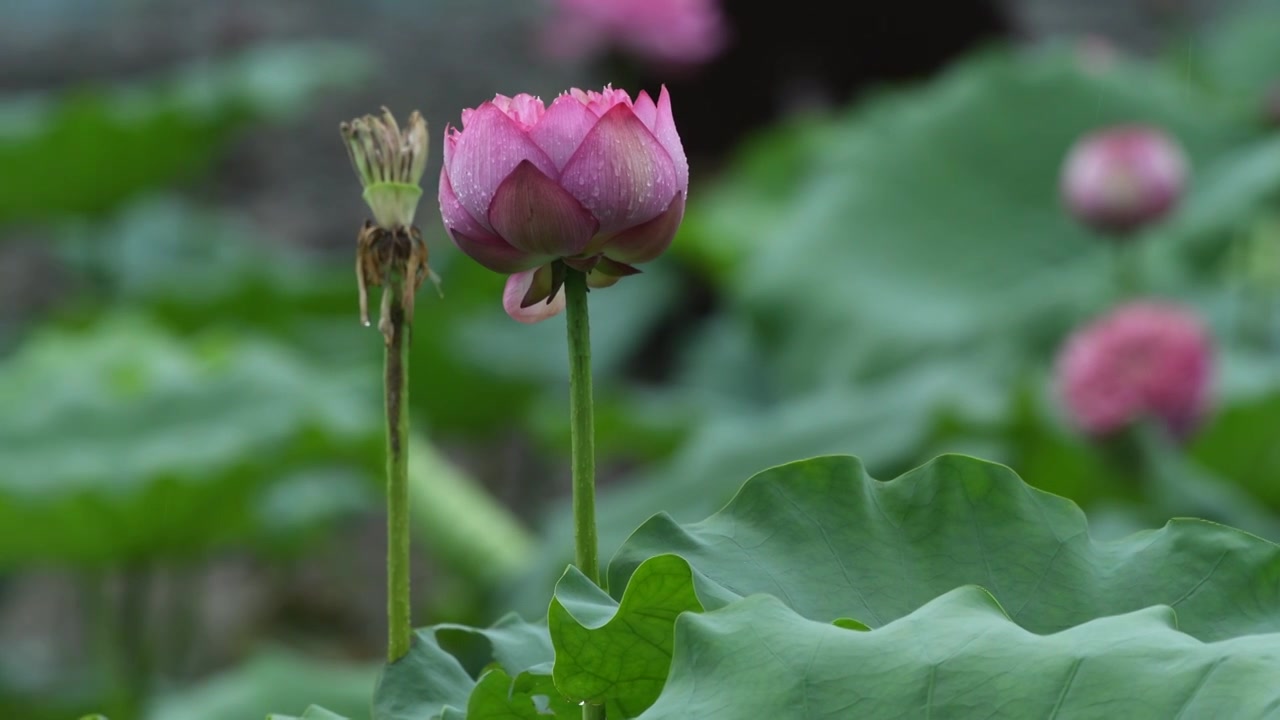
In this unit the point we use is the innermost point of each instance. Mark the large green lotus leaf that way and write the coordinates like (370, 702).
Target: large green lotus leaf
(960, 656)
(530, 696)
(431, 683)
(121, 441)
(84, 151)
(272, 680)
(832, 545)
(618, 654)
(832, 542)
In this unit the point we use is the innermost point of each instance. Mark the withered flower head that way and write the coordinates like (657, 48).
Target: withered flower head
(390, 251)
(389, 163)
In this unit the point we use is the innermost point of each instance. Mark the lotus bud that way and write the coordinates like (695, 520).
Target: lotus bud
(1143, 360)
(594, 181)
(1123, 179)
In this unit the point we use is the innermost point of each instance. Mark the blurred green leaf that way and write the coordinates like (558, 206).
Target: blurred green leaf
(122, 442)
(1233, 195)
(622, 315)
(271, 680)
(535, 359)
(631, 425)
(929, 219)
(84, 151)
(1224, 476)
(190, 265)
(465, 528)
(1179, 485)
(1238, 56)
(312, 713)
(1243, 444)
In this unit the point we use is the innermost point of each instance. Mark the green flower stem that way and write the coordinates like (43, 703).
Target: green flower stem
(1127, 268)
(399, 627)
(582, 425)
(583, 443)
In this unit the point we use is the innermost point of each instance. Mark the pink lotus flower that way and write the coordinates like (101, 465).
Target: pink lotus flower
(1144, 359)
(1123, 178)
(593, 180)
(679, 32)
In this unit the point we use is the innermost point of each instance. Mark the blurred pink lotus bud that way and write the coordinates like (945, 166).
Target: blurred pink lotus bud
(1142, 360)
(594, 180)
(1123, 178)
(677, 32)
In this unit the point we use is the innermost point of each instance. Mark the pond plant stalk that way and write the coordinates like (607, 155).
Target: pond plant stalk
(396, 386)
(582, 426)
(391, 254)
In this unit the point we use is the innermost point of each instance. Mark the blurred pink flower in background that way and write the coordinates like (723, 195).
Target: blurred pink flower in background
(1145, 359)
(595, 182)
(673, 32)
(1123, 178)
